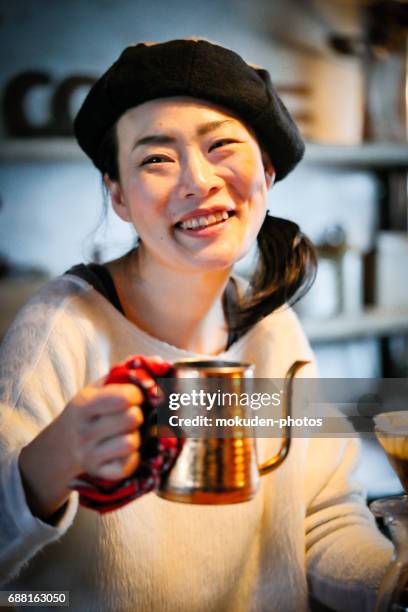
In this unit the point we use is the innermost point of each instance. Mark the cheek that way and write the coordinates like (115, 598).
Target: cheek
(148, 196)
(247, 175)
(149, 186)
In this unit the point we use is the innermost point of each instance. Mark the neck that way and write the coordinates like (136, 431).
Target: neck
(182, 308)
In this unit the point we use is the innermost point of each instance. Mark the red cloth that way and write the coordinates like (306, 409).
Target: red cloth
(157, 454)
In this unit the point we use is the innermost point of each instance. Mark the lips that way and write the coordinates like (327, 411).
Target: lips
(205, 221)
(202, 218)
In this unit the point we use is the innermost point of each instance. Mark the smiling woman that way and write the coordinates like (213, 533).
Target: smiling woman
(188, 138)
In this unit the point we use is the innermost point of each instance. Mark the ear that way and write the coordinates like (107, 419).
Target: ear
(118, 203)
(269, 169)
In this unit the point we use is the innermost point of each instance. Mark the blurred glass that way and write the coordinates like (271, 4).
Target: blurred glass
(392, 432)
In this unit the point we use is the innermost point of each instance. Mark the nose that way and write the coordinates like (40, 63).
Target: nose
(198, 176)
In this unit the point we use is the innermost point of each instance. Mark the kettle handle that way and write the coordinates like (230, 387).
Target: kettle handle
(281, 455)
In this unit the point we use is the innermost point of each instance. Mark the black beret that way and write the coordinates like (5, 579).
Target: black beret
(193, 68)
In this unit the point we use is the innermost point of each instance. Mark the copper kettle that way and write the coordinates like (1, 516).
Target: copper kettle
(214, 470)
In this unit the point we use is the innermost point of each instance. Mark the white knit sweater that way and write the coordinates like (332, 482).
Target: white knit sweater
(307, 529)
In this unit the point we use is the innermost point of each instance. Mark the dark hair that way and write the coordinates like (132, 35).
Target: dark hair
(286, 266)
(285, 271)
(108, 154)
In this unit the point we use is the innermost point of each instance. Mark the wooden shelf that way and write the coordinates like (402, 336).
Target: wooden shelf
(372, 155)
(373, 322)
(381, 155)
(41, 150)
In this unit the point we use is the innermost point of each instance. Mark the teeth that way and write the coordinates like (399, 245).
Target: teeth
(204, 221)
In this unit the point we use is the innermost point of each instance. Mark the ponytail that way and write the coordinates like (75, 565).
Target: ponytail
(285, 271)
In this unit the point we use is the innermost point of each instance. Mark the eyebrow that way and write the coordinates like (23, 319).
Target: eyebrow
(166, 139)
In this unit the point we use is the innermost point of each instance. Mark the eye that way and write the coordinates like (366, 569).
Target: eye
(222, 142)
(155, 159)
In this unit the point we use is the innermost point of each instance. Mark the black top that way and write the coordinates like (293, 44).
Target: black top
(101, 279)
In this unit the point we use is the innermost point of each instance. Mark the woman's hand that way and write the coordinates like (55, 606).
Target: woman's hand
(97, 432)
(101, 430)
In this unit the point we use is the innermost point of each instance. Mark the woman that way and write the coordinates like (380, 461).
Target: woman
(188, 138)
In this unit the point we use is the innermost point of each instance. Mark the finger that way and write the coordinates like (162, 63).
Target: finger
(119, 468)
(117, 447)
(112, 399)
(111, 425)
(129, 390)
(122, 394)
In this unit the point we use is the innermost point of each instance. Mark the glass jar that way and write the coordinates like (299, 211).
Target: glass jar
(393, 593)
